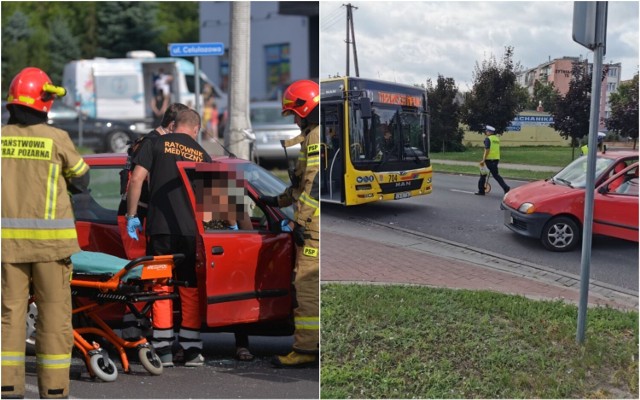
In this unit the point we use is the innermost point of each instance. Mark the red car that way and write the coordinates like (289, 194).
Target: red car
(553, 210)
(245, 276)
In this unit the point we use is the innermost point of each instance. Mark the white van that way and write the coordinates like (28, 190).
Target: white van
(122, 88)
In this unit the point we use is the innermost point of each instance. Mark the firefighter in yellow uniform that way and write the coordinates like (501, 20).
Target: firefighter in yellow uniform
(301, 99)
(39, 166)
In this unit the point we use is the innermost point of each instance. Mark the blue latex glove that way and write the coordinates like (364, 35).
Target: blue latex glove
(133, 225)
(233, 227)
(285, 225)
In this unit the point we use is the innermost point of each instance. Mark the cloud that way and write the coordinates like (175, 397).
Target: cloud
(411, 42)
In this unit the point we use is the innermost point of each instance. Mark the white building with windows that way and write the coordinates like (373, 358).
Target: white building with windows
(284, 44)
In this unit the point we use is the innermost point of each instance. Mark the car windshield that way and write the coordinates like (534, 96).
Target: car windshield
(265, 183)
(575, 174)
(269, 116)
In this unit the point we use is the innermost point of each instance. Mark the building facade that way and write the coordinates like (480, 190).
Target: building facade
(558, 72)
(284, 44)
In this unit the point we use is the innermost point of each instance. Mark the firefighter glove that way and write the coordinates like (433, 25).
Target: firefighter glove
(270, 200)
(298, 235)
(133, 225)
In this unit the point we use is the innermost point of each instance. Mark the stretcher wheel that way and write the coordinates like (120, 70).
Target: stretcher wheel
(32, 317)
(103, 368)
(150, 360)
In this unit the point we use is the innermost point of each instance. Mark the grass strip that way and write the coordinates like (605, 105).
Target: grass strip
(531, 155)
(505, 173)
(420, 342)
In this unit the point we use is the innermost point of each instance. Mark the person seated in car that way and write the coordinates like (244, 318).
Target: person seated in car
(224, 207)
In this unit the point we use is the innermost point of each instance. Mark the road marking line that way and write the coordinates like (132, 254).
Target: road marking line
(461, 191)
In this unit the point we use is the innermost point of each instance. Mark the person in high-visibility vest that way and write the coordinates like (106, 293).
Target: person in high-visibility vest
(584, 150)
(301, 99)
(491, 158)
(40, 165)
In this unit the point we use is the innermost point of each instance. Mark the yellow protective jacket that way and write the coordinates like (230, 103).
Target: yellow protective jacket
(305, 193)
(37, 218)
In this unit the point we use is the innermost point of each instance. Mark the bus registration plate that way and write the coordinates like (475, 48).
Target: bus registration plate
(402, 195)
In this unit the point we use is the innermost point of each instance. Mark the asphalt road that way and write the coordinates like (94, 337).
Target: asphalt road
(454, 213)
(221, 378)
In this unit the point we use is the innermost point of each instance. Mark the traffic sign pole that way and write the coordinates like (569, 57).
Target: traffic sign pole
(196, 50)
(598, 43)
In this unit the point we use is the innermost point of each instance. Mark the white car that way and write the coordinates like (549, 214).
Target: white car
(270, 127)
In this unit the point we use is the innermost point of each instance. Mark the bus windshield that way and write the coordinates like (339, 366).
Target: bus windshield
(392, 139)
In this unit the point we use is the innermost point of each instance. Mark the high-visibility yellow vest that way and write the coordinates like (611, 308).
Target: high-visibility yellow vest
(494, 150)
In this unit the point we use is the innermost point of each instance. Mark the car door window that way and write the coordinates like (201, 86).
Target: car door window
(100, 203)
(629, 187)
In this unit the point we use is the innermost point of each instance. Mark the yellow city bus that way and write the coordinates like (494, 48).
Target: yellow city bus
(374, 141)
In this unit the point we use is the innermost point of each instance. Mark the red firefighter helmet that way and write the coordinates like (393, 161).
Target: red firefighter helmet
(301, 97)
(32, 87)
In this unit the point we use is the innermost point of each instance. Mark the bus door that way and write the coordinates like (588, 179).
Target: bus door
(332, 157)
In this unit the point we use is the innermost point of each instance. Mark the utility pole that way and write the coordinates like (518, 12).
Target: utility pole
(238, 137)
(350, 30)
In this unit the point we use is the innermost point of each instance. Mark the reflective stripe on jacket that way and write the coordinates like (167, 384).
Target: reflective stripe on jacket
(306, 193)
(37, 218)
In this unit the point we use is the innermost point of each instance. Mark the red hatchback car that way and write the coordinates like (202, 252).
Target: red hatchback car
(245, 276)
(553, 210)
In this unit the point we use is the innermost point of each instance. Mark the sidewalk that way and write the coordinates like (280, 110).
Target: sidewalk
(381, 258)
(502, 165)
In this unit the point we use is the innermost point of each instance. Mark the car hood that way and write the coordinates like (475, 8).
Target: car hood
(538, 193)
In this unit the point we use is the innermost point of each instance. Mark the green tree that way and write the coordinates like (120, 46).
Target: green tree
(446, 134)
(15, 36)
(495, 98)
(180, 22)
(545, 93)
(48, 34)
(64, 47)
(624, 110)
(572, 113)
(126, 25)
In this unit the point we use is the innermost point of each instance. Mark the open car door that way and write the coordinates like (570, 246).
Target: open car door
(615, 211)
(245, 275)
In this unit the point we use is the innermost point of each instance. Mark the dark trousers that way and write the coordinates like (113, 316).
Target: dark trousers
(492, 166)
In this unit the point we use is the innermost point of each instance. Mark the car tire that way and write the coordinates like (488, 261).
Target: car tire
(117, 142)
(560, 234)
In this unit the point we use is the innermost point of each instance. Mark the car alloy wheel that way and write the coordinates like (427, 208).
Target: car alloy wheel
(560, 234)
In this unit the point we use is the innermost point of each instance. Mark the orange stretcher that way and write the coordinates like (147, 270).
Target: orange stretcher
(101, 281)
